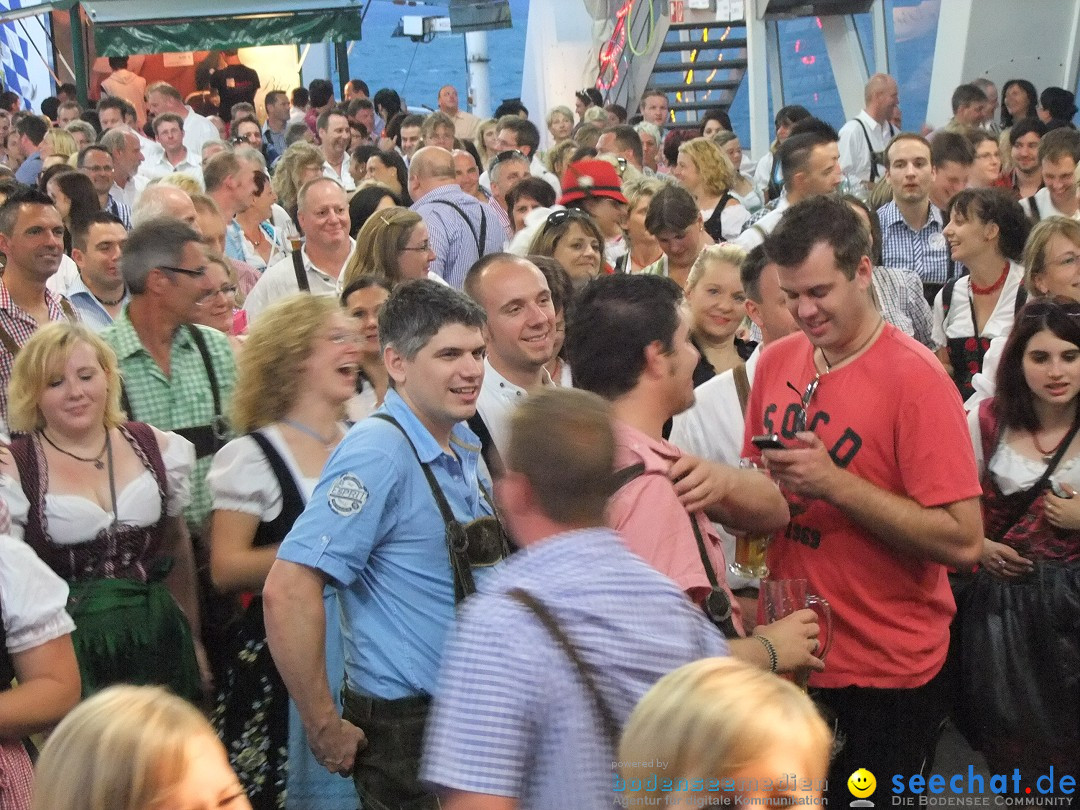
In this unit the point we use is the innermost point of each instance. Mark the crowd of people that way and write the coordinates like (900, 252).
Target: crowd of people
(288, 391)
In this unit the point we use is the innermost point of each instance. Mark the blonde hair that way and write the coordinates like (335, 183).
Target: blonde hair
(643, 188)
(182, 181)
(1034, 259)
(269, 369)
(379, 244)
(46, 352)
(726, 252)
(478, 142)
(122, 749)
(628, 173)
(289, 167)
(717, 173)
(61, 143)
(711, 718)
(559, 155)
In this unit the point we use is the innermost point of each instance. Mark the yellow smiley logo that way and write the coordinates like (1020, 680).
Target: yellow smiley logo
(862, 783)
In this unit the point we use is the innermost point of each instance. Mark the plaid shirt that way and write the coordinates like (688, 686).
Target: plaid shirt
(20, 325)
(180, 399)
(925, 251)
(903, 304)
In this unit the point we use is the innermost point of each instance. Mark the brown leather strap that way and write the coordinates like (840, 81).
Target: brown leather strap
(742, 386)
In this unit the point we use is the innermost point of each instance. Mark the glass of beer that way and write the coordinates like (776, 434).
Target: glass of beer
(750, 547)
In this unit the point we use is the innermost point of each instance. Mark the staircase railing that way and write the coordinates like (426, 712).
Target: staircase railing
(626, 60)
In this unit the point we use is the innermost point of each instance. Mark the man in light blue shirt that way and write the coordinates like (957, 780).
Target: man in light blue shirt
(373, 530)
(98, 292)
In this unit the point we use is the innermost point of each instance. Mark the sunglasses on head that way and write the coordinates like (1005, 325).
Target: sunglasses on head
(563, 214)
(804, 402)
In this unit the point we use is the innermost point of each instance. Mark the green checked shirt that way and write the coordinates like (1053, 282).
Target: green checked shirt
(182, 400)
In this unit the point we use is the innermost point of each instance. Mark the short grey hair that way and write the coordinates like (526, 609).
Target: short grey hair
(116, 139)
(416, 311)
(152, 203)
(84, 127)
(157, 242)
(225, 147)
(251, 155)
(294, 132)
(496, 166)
(301, 195)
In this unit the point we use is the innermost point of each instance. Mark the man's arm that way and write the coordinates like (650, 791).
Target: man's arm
(461, 800)
(296, 632)
(951, 534)
(742, 500)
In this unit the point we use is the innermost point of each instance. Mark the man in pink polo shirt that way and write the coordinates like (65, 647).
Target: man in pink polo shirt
(629, 342)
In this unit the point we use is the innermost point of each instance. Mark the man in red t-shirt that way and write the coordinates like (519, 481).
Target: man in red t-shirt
(883, 489)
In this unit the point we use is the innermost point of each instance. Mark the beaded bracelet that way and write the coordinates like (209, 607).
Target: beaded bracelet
(770, 648)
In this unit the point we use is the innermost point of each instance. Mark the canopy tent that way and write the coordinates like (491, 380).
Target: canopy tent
(125, 27)
(122, 27)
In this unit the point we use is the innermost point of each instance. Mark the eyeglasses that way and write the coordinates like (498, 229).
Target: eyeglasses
(423, 247)
(341, 338)
(98, 168)
(229, 291)
(804, 403)
(198, 272)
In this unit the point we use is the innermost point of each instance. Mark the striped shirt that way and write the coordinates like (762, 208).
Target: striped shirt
(20, 325)
(511, 716)
(179, 399)
(925, 251)
(454, 237)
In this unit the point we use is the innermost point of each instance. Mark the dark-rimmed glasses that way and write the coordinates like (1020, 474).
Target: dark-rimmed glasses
(198, 272)
(804, 402)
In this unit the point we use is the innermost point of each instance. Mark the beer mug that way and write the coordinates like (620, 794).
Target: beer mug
(782, 597)
(750, 547)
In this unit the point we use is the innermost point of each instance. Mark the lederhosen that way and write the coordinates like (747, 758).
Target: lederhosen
(128, 627)
(966, 353)
(386, 771)
(252, 711)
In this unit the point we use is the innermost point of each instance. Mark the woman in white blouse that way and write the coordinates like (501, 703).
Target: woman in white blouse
(100, 500)
(1019, 614)
(295, 374)
(37, 650)
(705, 171)
(264, 243)
(986, 233)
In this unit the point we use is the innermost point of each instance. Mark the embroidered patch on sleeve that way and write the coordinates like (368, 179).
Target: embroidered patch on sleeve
(347, 495)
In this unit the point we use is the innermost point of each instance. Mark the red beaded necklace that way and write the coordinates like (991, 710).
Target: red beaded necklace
(993, 288)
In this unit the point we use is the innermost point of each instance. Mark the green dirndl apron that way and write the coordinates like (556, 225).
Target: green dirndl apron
(128, 631)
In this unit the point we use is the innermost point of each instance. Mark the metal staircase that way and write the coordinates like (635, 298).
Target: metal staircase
(698, 63)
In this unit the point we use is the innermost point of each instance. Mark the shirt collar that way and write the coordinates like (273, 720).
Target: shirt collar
(427, 448)
(311, 268)
(503, 387)
(125, 340)
(657, 454)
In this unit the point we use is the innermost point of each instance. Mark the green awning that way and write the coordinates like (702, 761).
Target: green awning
(123, 27)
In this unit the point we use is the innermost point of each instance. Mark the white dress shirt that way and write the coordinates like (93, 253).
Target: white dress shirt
(279, 280)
